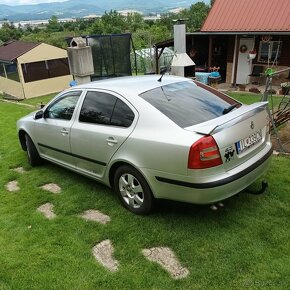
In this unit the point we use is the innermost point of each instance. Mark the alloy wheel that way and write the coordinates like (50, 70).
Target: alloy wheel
(131, 190)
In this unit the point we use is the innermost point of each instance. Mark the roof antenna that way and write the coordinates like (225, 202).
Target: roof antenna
(160, 79)
(163, 71)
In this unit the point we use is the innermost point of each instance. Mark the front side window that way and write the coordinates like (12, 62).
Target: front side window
(63, 107)
(106, 109)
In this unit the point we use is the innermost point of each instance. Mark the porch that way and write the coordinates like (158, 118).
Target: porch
(231, 53)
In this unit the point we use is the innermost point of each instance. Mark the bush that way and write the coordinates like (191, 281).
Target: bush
(272, 92)
(254, 90)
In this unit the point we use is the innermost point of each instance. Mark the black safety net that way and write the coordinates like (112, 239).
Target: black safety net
(111, 55)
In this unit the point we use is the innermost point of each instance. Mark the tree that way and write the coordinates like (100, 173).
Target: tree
(113, 22)
(145, 33)
(53, 25)
(135, 21)
(9, 32)
(196, 15)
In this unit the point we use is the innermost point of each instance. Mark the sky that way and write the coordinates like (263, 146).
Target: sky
(23, 2)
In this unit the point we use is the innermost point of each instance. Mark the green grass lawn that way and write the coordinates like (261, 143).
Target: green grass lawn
(249, 98)
(37, 101)
(243, 246)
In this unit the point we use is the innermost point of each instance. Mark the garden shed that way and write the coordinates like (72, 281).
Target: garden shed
(30, 69)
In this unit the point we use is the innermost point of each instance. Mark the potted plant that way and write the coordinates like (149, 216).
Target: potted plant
(252, 54)
(242, 87)
(285, 87)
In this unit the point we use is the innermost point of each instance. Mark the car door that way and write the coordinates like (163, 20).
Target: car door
(105, 121)
(53, 130)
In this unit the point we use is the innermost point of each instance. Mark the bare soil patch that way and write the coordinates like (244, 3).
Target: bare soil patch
(284, 135)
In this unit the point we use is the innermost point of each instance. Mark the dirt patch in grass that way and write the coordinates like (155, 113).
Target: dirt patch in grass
(166, 258)
(284, 135)
(12, 186)
(103, 252)
(96, 216)
(51, 187)
(47, 210)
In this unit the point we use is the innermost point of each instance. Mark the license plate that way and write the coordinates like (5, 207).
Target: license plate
(248, 142)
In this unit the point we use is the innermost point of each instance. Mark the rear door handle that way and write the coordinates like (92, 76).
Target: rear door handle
(111, 141)
(64, 132)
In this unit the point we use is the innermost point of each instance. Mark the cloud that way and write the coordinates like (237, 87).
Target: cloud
(27, 2)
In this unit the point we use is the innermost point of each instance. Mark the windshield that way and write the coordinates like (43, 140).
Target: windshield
(187, 104)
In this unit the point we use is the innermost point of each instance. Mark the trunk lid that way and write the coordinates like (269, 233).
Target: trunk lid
(240, 134)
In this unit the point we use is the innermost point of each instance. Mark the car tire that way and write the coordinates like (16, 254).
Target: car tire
(33, 157)
(133, 190)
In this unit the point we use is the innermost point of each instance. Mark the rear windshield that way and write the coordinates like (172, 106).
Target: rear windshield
(187, 104)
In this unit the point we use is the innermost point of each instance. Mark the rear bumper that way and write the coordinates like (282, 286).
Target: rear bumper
(220, 182)
(208, 192)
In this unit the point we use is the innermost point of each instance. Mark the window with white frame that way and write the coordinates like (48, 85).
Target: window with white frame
(269, 51)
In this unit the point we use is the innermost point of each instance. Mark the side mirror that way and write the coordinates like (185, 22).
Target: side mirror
(38, 115)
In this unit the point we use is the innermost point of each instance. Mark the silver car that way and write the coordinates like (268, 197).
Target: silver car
(150, 138)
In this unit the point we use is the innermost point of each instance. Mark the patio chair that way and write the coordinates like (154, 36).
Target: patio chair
(257, 72)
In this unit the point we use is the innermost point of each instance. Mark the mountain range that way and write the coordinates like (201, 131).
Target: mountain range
(81, 8)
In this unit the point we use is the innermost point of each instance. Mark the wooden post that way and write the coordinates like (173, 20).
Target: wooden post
(5, 73)
(156, 60)
(236, 58)
(210, 51)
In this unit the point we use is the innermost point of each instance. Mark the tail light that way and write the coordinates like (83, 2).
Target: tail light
(204, 153)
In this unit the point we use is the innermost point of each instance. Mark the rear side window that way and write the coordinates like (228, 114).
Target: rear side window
(106, 109)
(97, 108)
(187, 104)
(122, 115)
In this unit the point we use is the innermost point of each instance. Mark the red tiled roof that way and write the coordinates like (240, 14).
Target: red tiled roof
(9, 51)
(248, 16)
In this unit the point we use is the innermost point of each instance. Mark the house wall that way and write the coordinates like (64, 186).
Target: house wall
(284, 58)
(48, 86)
(12, 88)
(285, 55)
(42, 87)
(42, 52)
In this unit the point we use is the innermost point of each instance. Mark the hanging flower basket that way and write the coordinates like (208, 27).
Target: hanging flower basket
(252, 54)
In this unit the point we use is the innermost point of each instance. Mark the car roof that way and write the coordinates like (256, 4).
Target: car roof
(132, 84)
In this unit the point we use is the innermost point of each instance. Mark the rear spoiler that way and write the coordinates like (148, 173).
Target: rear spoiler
(228, 120)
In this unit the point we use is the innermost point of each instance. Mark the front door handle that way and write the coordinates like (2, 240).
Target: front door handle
(111, 141)
(64, 132)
